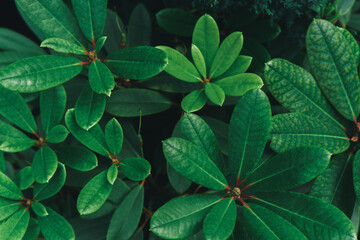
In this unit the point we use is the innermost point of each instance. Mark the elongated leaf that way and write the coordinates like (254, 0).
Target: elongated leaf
(100, 78)
(238, 85)
(139, 27)
(77, 157)
(89, 108)
(137, 62)
(54, 226)
(292, 130)
(259, 53)
(182, 216)
(39, 73)
(115, 31)
(100, 43)
(52, 106)
(114, 136)
(241, 64)
(13, 140)
(176, 21)
(289, 169)
(177, 181)
(94, 139)
(94, 194)
(44, 164)
(8, 57)
(57, 134)
(32, 230)
(215, 93)
(112, 174)
(261, 223)
(248, 132)
(129, 103)
(352, 43)
(297, 90)
(91, 15)
(194, 101)
(206, 37)
(198, 60)
(10, 40)
(24, 178)
(7, 208)
(135, 169)
(193, 163)
(15, 110)
(53, 18)
(47, 190)
(227, 53)
(329, 56)
(219, 223)
(39, 209)
(356, 175)
(14, 228)
(127, 215)
(63, 46)
(315, 218)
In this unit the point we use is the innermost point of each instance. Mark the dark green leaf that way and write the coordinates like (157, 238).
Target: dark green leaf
(262, 30)
(194, 101)
(54, 226)
(139, 28)
(215, 93)
(100, 43)
(10, 40)
(2, 162)
(259, 53)
(57, 134)
(13, 140)
(7, 208)
(199, 60)
(32, 230)
(112, 173)
(356, 175)
(63, 46)
(39, 209)
(114, 136)
(24, 178)
(8, 188)
(77, 157)
(115, 31)
(352, 43)
(100, 78)
(14, 228)
(135, 169)
(8, 57)
(177, 181)
(176, 21)
(238, 85)
(44, 164)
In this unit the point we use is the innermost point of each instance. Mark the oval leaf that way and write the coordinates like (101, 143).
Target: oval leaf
(135, 169)
(44, 164)
(8, 207)
(100, 78)
(77, 157)
(114, 136)
(13, 140)
(39, 209)
(54, 226)
(112, 174)
(215, 93)
(176, 21)
(198, 60)
(24, 178)
(14, 228)
(239, 84)
(63, 46)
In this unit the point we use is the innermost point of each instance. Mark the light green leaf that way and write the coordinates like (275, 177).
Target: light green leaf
(135, 169)
(54, 226)
(7, 208)
(39, 209)
(14, 228)
(39, 73)
(13, 41)
(176, 21)
(238, 85)
(334, 67)
(63, 46)
(100, 43)
(352, 43)
(215, 93)
(241, 64)
(24, 178)
(77, 157)
(139, 27)
(194, 101)
(114, 136)
(44, 164)
(13, 140)
(199, 60)
(57, 134)
(112, 174)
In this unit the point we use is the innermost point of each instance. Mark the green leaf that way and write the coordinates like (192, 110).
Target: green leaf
(39, 209)
(315, 218)
(183, 216)
(14, 228)
(227, 53)
(215, 93)
(57, 134)
(100, 43)
(289, 169)
(199, 60)
(91, 15)
(129, 103)
(8, 57)
(13, 140)
(114, 136)
(292, 130)
(10, 40)
(124, 221)
(77, 157)
(38, 73)
(8, 188)
(63, 46)
(137, 62)
(115, 31)
(89, 108)
(112, 174)
(206, 37)
(248, 132)
(193, 163)
(44, 164)
(32, 231)
(24, 178)
(261, 223)
(334, 67)
(344, 6)
(7, 208)
(179, 66)
(259, 53)
(94, 194)
(219, 223)
(176, 21)
(52, 107)
(194, 101)
(94, 139)
(352, 43)
(139, 27)
(262, 30)
(240, 66)
(238, 85)
(2, 162)
(54, 226)
(135, 169)
(177, 181)
(14, 109)
(54, 19)
(356, 175)
(47, 190)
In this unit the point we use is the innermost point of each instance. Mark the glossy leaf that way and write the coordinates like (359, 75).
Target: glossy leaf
(176, 21)
(329, 56)
(52, 107)
(94, 194)
(241, 64)
(47, 190)
(57, 134)
(198, 60)
(39, 209)
(44, 164)
(14, 109)
(13, 41)
(206, 37)
(114, 136)
(14, 228)
(352, 43)
(193, 163)
(248, 132)
(54, 226)
(89, 108)
(13, 140)
(112, 174)
(139, 27)
(63, 46)
(292, 130)
(94, 139)
(135, 169)
(8, 57)
(215, 93)
(219, 223)
(183, 216)
(32, 230)
(356, 175)
(77, 157)
(100, 43)
(129, 103)
(238, 85)
(137, 62)
(8, 207)
(127, 215)
(100, 78)
(24, 178)
(39, 73)
(227, 53)
(194, 101)
(8, 188)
